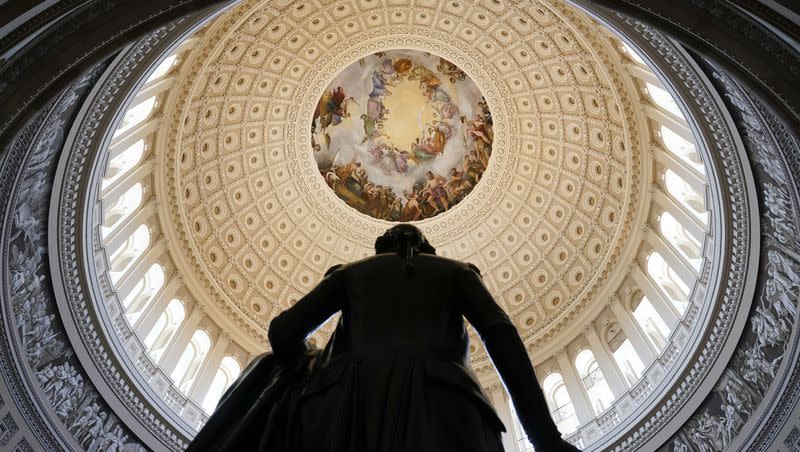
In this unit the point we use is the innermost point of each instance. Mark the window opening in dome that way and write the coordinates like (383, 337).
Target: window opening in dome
(228, 370)
(597, 389)
(560, 404)
(165, 328)
(632, 54)
(136, 115)
(122, 208)
(685, 195)
(123, 163)
(681, 148)
(146, 290)
(129, 252)
(651, 323)
(663, 99)
(188, 366)
(668, 281)
(163, 68)
(629, 362)
(680, 239)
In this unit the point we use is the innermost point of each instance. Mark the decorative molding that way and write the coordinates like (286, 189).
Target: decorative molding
(86, 320)
(687, 362)
(8, 428)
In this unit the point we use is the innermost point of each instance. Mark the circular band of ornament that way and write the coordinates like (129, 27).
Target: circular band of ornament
(415, 41)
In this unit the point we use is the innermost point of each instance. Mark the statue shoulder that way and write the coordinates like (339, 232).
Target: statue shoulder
(474, 268)
(334, 268)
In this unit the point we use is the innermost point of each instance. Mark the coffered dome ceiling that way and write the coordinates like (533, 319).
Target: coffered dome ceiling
(244, 196)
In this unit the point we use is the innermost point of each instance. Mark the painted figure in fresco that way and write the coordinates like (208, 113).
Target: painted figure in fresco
(82, 421)
(451, 70)
(332, 107)
(401, 161)
(376, 152)
(483, 135)
(381, 78)
(429, 83)
(432, 145)
(473, 167)
(457, 185)
(435, 187)
(449, 111)
(403, 67)
(397, 209)
(412, 210)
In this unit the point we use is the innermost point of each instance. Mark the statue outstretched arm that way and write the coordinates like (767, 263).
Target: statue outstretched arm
(510, 358)
(288, 331)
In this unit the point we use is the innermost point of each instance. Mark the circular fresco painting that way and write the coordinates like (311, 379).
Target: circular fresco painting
(402, 135)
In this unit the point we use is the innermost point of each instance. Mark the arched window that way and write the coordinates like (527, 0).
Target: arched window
(228, 371)
(165, 328)
(188, 366)
(629, 362)
(124, 162)
(663, 99)
(681, 148)
(122, 208)
(651, 323)
(143, 292)
(561, 408)
(597, 389)
(627, 50)
(669, 282)
(163, 68)
(680, 239)
(685, 194)
(129, 251)
(625, 355)
(136, 114)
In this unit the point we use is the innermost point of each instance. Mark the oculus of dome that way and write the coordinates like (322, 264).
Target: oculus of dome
(402, 135)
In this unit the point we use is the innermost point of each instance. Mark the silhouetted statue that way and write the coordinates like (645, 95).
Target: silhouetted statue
(395, 376)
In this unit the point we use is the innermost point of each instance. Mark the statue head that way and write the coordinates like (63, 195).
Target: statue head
(406, 240)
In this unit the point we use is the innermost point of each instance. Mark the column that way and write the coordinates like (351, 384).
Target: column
(122, 142)
(136, 272)
(188, 44)
(175, 349)
(124, 183)
(694, 178)
(678, 125)
(647, 353)
(675, 260)
(153, 89)
(144, 324)
(124, 230)
(497, 393)
(664, 307)
(208, 369)
(685, 217)
(583, 409)
(606, 362)
(642, 73)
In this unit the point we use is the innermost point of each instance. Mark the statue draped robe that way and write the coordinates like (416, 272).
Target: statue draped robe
(395, 376)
